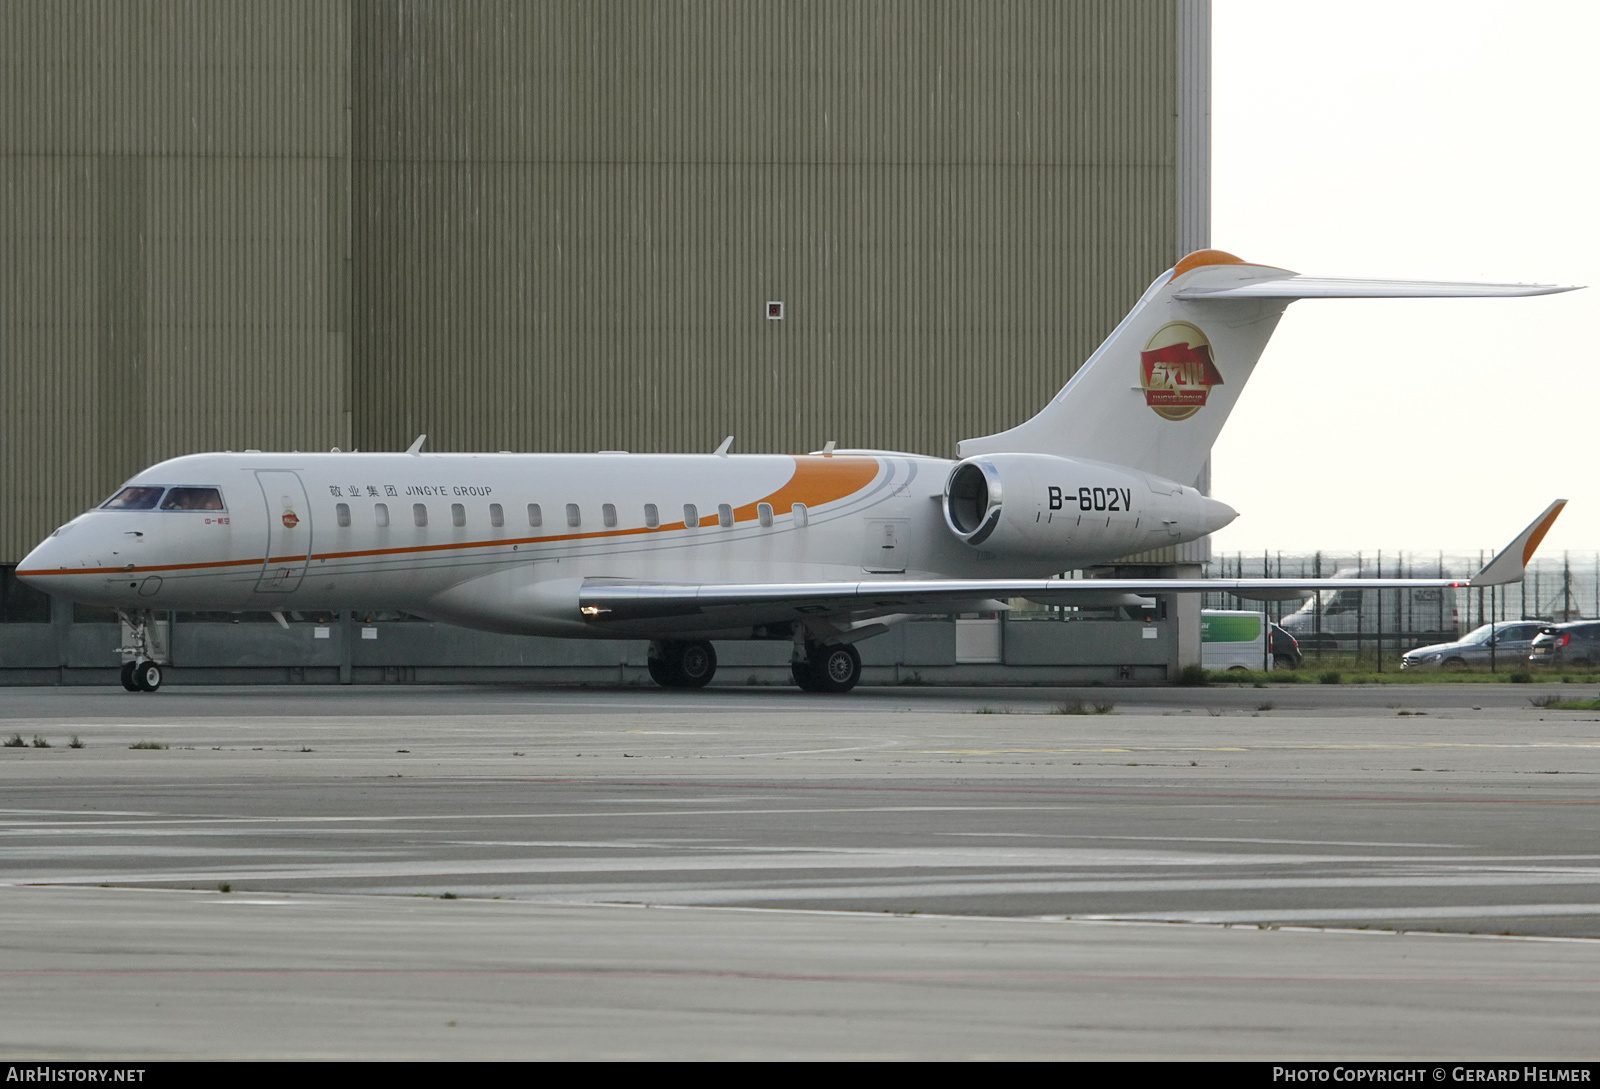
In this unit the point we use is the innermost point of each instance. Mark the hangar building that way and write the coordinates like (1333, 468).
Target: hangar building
(295, 224)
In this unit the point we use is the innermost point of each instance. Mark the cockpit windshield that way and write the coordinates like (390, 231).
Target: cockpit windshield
(133, 498)
(140, 497)
(192, 499)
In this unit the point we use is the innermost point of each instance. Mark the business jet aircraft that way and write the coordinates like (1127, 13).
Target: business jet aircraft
(823, 550)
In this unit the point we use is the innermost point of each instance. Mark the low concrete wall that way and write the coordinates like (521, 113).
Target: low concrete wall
(417, 652)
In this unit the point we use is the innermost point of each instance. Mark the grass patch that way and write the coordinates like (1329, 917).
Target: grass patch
(75, 743)
(1332, 676)
(1076, 706)
(1565, 705)
(15, 742)
(147, 745)
(40, 743)
(1193, 676)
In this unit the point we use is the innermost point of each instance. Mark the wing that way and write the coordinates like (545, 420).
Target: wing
(713, 606)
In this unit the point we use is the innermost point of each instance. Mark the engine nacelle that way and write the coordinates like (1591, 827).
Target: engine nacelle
(1045, 507)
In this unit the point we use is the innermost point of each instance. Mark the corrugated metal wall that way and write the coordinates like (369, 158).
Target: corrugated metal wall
(293, 223)
(171, 176)
(573, 215)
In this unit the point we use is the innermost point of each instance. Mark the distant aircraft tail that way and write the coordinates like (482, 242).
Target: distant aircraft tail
(1155, 395)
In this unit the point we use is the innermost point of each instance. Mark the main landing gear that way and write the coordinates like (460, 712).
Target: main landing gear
(141, 672)
(826, 667)
(682, 665)
(816, 667)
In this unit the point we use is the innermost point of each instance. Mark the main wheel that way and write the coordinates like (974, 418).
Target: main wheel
(127, 677)
(836, 668)
(661, 672)
(683, 665)
(696, 664)
(147, 675)
(803, 677)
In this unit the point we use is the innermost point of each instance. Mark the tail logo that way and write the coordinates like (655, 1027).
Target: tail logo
(1177, 371)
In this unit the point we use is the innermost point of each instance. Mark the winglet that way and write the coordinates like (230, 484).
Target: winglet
(1512, 561)
(416, 447)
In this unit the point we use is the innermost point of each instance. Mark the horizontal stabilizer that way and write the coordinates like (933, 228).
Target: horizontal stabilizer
(1326, 287)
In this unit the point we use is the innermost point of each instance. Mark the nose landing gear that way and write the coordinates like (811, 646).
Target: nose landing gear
(141, 676)
(143, 650)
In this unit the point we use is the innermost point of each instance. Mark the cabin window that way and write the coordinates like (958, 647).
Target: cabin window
(652, 516)
(691, 515)
(497, 515)
(192, 499)
(608, 513)
(419, 513)
(574, 516)
(133, 499)
(799, 514)
(535, 518)
(458, 515)
(341, 514)
(764, 512)
(724, 514)
(380, 513)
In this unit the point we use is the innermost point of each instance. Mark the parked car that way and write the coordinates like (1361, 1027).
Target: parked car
(1567, 644)
(1505, 642)
(1285, 650)
(1233, 639)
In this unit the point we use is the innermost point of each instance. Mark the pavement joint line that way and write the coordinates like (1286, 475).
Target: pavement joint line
(876, 916)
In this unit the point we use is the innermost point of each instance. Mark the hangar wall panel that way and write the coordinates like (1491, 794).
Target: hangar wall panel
(175, 180)
(573, 215)
(300, 224)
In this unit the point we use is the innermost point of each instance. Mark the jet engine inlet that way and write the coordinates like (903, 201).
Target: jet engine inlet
(972, 501)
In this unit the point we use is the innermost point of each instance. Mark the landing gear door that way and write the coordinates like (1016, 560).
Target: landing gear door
(288, 531)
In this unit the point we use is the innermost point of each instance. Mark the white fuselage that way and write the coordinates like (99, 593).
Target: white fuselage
(502, 541)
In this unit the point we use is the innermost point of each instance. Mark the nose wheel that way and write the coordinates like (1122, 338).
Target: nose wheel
(141, 673)
(141, 676)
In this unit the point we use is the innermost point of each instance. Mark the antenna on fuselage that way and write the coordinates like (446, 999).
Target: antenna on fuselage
(416, 447)
(722, 451)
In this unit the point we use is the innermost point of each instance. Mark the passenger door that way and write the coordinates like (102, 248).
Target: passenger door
(288, 531)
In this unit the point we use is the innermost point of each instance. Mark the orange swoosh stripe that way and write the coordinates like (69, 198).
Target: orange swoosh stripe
(1538, 535)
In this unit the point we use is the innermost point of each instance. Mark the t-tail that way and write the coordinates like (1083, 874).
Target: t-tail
(1155, 395)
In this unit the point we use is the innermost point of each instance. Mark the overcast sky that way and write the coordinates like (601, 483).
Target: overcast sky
(1451, 141)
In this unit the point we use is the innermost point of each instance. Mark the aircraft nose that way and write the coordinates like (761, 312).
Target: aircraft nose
(47, 567)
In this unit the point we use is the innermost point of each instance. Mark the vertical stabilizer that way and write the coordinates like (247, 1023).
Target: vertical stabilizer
(1155, 395)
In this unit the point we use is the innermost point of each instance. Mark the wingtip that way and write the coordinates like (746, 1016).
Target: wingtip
(1511, 562)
